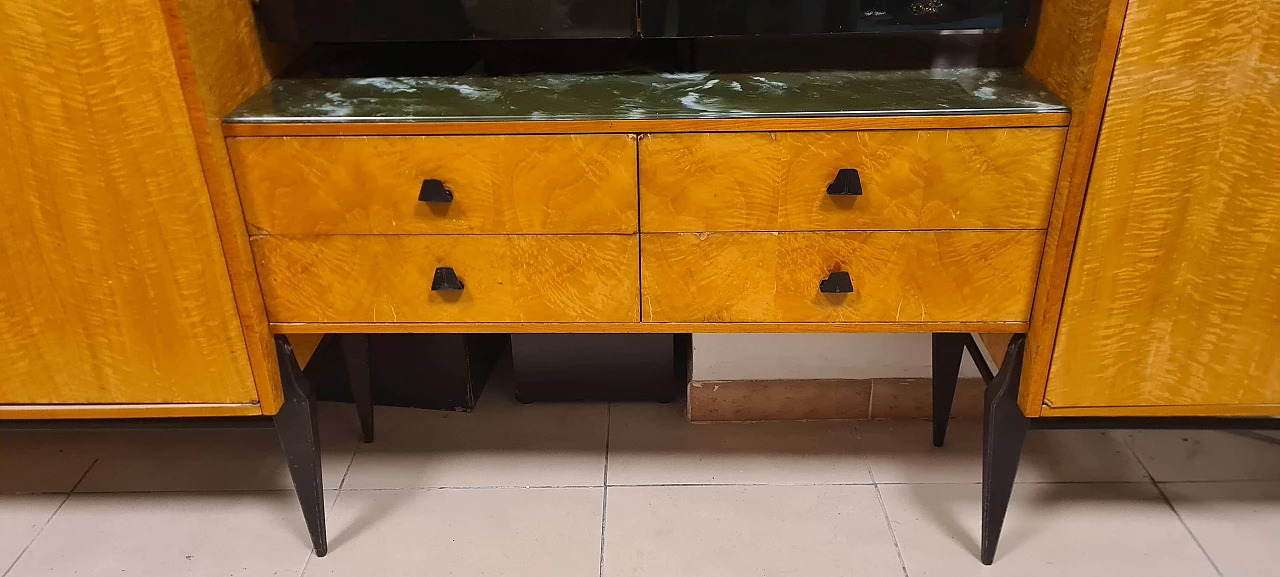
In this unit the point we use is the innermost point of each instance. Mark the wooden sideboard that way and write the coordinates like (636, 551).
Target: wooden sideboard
(1128, 261)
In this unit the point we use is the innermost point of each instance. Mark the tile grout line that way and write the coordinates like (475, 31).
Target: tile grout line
(310, 555)
(350, 462)
(884, 510)
(893, 535)
(49, 519)
(1190, 533)
(1167, 501)
(604, 499)
(36, 536)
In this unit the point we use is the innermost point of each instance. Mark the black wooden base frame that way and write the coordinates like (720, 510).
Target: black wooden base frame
(1004, 427)
(296, 424)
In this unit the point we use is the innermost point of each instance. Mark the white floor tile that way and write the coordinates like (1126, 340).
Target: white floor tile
(238, 534)
(902, 451)
(1073, 529)
(473, 532)
(654, 444)
(503, 443)
(732, 531)
(1237, 523)
(215, 459)
(1208, 455)
(21, 519)
(44, 461)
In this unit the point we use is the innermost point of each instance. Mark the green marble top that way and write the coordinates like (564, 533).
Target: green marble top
(649, 96)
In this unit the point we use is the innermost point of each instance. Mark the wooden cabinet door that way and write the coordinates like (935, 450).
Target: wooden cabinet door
(1173, 299)
(113, 287)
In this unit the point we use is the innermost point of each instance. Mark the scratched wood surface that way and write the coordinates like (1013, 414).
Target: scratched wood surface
(500, 184)
(927, 179)
(1073, 56)
(1174, 292)
(507, 278)
(647, 126)
(293, 329)
(905, 277)
(113, 287)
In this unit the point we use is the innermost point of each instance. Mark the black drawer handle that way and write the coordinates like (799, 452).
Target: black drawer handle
(837, 282)
(434, 191)
(846, 183)
(446, 280)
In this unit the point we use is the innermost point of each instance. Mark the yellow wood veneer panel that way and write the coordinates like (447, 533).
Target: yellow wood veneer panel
(1174, 291)
(900, 277)
(113, 286)
(926, 179)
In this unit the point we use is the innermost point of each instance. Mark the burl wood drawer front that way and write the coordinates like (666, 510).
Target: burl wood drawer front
(944, 276)
(495, 184)
(389, 278)
(909, 180)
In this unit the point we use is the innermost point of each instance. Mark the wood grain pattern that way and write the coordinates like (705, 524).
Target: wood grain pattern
(304, 347)
(647, 126)
(387, 278)
(646, 327)
(220, 63)
(1167, 411)
(1173, 296)
(500, 184)
(138, 411)
(1073, 56)
(113, 287)
(898, 277)
(927, 179)
(997, 345)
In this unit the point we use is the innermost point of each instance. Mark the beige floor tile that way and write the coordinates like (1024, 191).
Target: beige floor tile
(215, 459)
(44, 461)
(902, 451)
(503, 443)
(238, 534)
(21, 519)
(1069, 529)
(1237, 523)
(704, 531)
(471, 532)
(1208, 455)
(652, 444)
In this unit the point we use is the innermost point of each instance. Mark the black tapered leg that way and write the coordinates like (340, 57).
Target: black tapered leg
(948, 350)
(1004, 428)
(355, 350)
(299, 432)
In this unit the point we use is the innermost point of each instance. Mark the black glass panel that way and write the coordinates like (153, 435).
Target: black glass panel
(791, 17)
(410, 20)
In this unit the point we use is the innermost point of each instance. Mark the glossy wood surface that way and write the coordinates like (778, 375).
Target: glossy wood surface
(304, 346)
(777, 181)
(500, 184)
(646, 126)
(129, 411)
(220, 63)
(1174, 292)
(901, 277)
(507, 278)
(645, 327)
(1166, 411)
(1074, 52)
(113, 286)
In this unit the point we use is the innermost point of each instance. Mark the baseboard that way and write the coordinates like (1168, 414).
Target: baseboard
(813, 399)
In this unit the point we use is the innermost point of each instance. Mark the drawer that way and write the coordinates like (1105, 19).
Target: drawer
(928, 276)
(388, 278)
(499, 184)
(910, 180)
